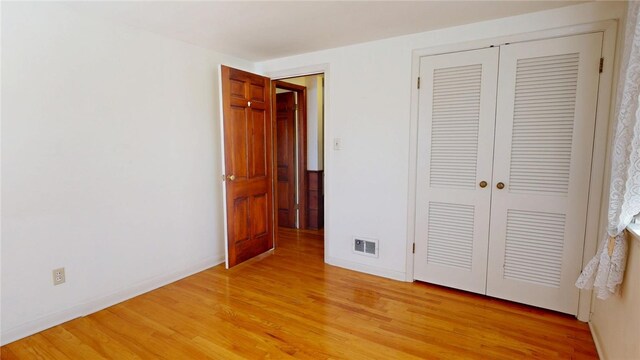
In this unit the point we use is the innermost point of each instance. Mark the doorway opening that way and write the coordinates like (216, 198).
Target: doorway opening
(298, 110)
(250, 154)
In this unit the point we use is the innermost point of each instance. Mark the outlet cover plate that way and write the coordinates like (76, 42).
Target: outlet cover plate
(58, 276)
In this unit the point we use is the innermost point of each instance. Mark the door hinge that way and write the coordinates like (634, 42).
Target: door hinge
(297, 207)
(601, 64)
(418, 82)
(414, 248)
(224, 177)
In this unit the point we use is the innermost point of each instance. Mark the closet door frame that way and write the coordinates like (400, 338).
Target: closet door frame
(602, 140)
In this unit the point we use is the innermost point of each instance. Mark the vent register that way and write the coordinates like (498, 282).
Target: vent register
(368, 247)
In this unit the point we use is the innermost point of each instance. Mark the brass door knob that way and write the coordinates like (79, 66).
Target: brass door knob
(500, 185)
(483, 184)
(231, 177)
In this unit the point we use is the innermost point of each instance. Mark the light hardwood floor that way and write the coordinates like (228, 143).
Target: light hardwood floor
(290, 304)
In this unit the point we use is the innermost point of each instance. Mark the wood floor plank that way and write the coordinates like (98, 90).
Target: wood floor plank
(33, 347)
(290, 304)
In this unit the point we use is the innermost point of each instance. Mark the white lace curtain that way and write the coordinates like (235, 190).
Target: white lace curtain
(606, 270)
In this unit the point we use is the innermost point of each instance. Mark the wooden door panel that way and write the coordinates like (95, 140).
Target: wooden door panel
(247, 146)
(283, 217)
(282, 153)
(236, 89)
(248, 249)
(257, 93)
(286, 160)
(259, 210)
(241, 219)
(283, 176)
(283, 201)
(315, 199)
(258, 143)
(238, 159)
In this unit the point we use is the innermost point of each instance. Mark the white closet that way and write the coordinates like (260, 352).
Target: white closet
(505, 137)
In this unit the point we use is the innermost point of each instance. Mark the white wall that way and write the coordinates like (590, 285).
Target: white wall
(314, 122)
(368, 87)
(110, 163)
(616, 321)
(110, 154)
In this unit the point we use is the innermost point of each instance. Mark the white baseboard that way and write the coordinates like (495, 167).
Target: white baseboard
(103, 302)
(368, 269)
(596, 340)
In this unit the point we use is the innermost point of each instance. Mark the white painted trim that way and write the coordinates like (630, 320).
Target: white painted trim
(413, 167)
(367, 269)
(223, 182)
(298, 72)
(596, 341)
(608, 27)
(634, 231)
(1, 232)
(105, 301)
(311, 70)
(598, 159)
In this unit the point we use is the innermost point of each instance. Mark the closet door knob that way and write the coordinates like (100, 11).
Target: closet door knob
(483, 184)
(500, 185)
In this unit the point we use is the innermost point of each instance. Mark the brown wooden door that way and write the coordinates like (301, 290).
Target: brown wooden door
(286, 159)
(248, 161)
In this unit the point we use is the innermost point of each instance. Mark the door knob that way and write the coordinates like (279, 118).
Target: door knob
(500, 185)
(483, 184)
(231, 177)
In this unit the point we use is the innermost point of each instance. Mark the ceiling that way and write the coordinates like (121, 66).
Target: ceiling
(263, 30)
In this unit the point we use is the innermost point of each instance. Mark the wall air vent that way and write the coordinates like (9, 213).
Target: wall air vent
(367, 247)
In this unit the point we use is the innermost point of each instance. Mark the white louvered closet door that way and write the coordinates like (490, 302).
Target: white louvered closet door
(457, 101)
(547, 96)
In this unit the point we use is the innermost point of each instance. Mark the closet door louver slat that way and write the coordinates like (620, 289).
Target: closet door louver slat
(549, 141)
(538, 260)
(443, 249)
(452, 140)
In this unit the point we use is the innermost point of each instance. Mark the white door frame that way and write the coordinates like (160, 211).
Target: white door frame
(600, 145)
(305, 71)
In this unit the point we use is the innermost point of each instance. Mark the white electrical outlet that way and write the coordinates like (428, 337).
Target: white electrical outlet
(58, 276)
